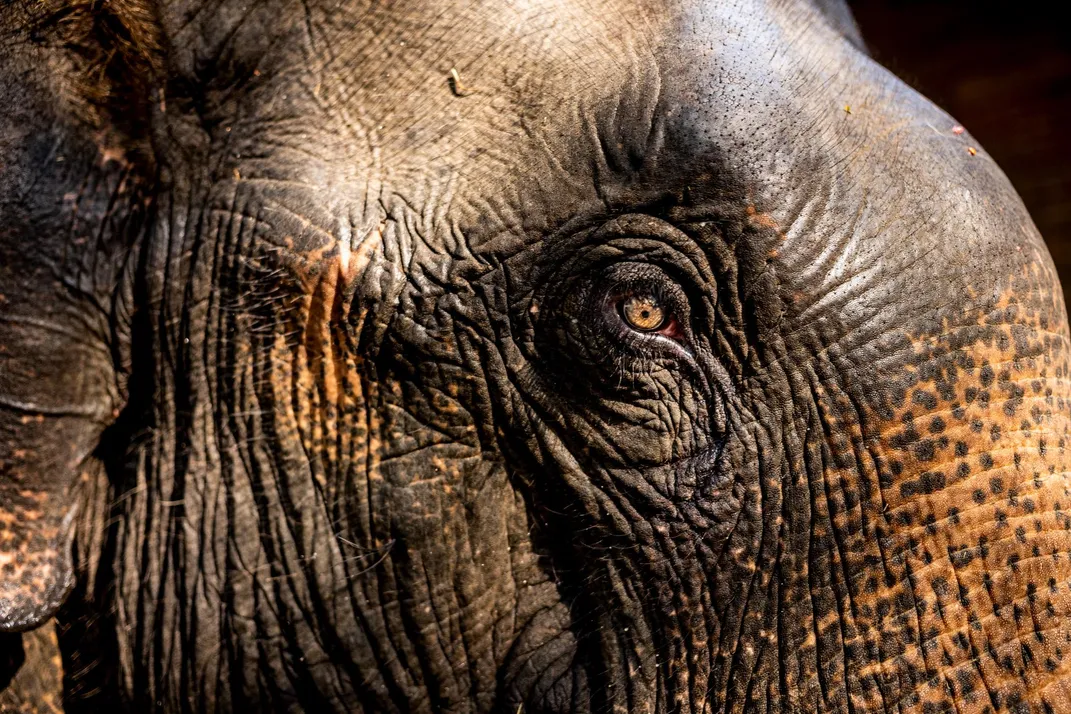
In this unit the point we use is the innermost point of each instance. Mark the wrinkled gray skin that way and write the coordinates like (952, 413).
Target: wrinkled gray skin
(316, 392)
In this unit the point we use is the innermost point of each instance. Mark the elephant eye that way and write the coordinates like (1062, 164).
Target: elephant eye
(643, 313)
(625, 317)
(642, 302)
(648, 313)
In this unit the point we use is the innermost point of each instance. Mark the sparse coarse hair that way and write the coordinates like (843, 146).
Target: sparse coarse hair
(114, 54)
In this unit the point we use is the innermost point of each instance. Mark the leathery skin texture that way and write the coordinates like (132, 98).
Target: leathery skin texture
(323, 385)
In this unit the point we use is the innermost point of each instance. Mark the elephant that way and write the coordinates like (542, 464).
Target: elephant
(540, 356)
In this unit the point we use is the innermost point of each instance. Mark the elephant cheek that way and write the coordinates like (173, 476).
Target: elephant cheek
(963, 590)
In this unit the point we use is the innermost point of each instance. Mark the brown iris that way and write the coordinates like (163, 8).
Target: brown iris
(643, 313)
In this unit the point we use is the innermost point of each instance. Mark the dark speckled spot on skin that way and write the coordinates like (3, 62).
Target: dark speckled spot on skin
(924, 450)
(928, 482)
(925, 399)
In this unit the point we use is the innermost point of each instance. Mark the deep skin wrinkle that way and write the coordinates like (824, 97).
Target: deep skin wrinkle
(318, 367)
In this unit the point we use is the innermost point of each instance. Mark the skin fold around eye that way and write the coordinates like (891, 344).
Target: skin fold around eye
(615, 318)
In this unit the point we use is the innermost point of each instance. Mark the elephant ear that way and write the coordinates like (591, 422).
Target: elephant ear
(70, 200)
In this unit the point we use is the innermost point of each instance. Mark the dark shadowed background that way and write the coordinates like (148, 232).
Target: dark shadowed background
(1003, 69)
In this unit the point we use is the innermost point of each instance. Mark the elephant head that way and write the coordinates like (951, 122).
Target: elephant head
(545, 356)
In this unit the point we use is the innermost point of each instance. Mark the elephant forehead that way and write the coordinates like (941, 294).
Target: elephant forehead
(503, 124)
(480, 89)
